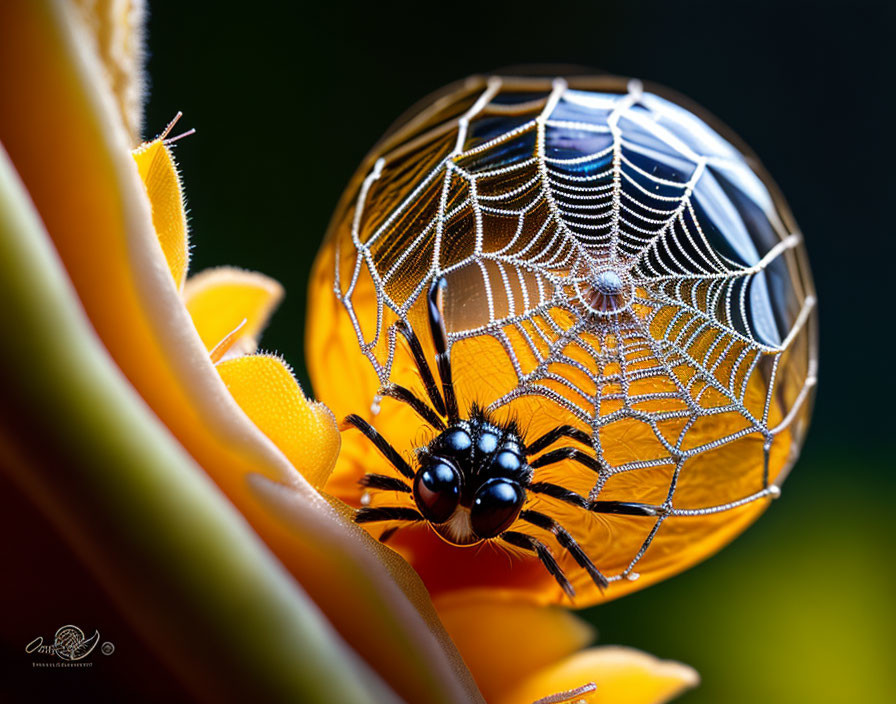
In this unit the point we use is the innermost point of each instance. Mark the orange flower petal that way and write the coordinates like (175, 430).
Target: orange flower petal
(220, 299)
(502, 641)
(72, 153)
(266, 390)
(155, 163)
(129, 502)
(621, 676)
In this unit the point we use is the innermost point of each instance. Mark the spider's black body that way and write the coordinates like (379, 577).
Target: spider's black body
(473, 479)
(483, 474)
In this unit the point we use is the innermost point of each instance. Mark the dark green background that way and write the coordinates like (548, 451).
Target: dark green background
(287, 98)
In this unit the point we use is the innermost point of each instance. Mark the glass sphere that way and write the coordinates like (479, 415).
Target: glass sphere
(614, 260)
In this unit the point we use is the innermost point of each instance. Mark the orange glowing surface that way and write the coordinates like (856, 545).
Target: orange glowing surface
(611, 262)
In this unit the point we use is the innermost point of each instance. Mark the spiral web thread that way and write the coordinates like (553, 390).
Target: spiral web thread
(618, 217)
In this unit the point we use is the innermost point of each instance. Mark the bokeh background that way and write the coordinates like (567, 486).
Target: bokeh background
(287, 99)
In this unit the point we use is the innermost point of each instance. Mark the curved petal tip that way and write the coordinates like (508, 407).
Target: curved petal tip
(620, 675)
(305, 431)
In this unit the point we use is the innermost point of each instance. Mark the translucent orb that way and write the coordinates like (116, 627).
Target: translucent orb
(614, 260)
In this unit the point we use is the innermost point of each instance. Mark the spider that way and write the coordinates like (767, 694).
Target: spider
(473, 478)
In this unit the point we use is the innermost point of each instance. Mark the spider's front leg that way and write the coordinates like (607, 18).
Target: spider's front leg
(619, 508)
(429, 383)
(530, 544)
(567, 542)
(561, 431)
(381, 444)
(378, 514)
(436, 315)
(446, 406)
(622, 508)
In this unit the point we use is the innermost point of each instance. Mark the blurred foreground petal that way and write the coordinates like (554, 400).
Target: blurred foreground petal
(363, 582)
(178, 560)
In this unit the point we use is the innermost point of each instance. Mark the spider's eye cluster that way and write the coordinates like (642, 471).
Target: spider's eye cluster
(495, 506)
(454, 442)
(437, 489)
(487, 442)
(438, 484)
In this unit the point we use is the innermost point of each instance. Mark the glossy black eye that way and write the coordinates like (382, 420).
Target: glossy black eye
(487, 442)
(495, 506)
(507, 461)
(454, 442)
(437, 489)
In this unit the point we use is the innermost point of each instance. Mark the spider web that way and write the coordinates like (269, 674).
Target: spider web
(541, 194)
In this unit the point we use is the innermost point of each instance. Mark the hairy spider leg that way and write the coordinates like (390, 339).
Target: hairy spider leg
(562, 431)
(624, 508)
(443, 361)
(567, 542)
(381, 481)
(435, 306)
(384, 483)
(387, 513)
(388, 533)
(555, 491)
(381, 444)
(527, 542)
(429, 382)
(571, 497)
(566, 453)
(400, 393)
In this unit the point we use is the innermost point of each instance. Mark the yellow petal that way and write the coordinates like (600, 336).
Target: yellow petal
(155, 163)
(621, 676)
(503, 641)
(220, 299)
(117, 28)
(266, 390)
(64, 135)
(176, 558)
